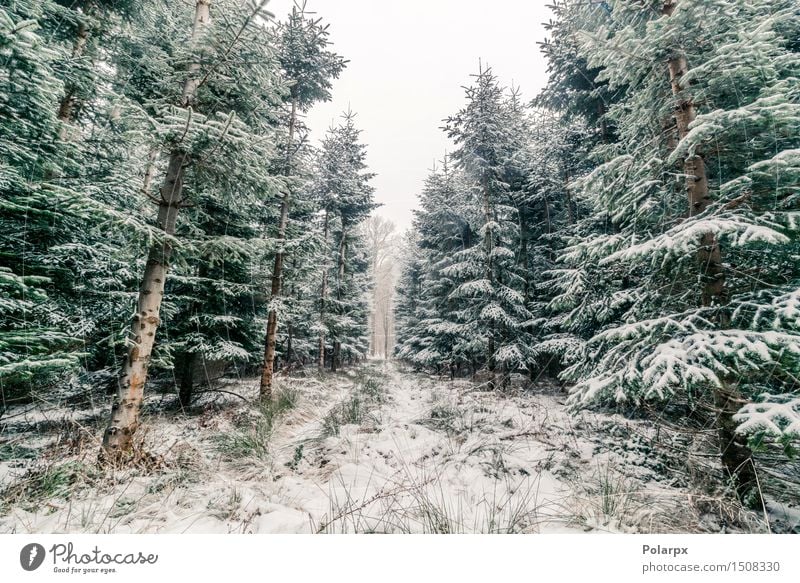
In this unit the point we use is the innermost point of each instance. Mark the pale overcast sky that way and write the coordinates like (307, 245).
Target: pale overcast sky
(409, 61)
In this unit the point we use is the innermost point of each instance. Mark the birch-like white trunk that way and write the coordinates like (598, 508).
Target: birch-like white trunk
(118, 436)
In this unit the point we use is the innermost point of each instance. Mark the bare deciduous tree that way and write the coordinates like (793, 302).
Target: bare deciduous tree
(382, 240)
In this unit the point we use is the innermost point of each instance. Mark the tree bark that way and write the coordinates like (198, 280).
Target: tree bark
(149, 172)
(267, 372)
(321, 358)
(322, 296)
(288, 358)
(66, 107)
(523, 250)
(125, 411)
(118, 437)
(736, 456)
(386, 326)
(337, 345)
(568, 199)
(187, 379)
(601, 115)
(272, 329)
(488, 242)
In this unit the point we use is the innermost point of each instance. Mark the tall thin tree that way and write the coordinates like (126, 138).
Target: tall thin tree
(309, 68)
(127, 403)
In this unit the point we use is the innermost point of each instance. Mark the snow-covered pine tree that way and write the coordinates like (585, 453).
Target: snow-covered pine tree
(492, 308)
(75, 206)
(298, 341)
(573, 87)
(445, 224)
(572, 301)
(216, 291)
(700, 219)
(349, 300)
(212, 137)
(33, 343)
(555, 152)
(308, 67)
(85, 27)
(341, 186)
(411, 262)
(94, 268)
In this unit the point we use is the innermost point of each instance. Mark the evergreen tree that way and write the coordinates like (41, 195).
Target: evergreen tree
(73, 199)
(212, 137)
(33, 341)
(633, 230)
(309, 68)
(492, 309)
(690, 289)
(444, 226)
(346, 198)
(550, 215)
(574, 87)
(409, 295)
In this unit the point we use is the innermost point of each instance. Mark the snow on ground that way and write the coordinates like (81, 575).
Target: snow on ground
(375, 449)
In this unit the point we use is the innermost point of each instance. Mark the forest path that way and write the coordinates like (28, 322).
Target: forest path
(433, 456)
(372, 449)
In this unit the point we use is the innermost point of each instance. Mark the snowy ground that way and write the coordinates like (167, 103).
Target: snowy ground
(372, 450)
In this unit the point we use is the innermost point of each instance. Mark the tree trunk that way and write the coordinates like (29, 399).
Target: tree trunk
(341, 263)
(118, 436)
(550, 251)
(267, 372)
(323, 294)
(150, 171)
(568, 200)
(125, 411)
(337, 345)
(386, 323)
(66, 107)
(337, 348)
(601, 116)
(523, 252)
(321, 358)
(373, 345)
(488, 242)
(737, 458)
(288, 357)
(187, 379)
